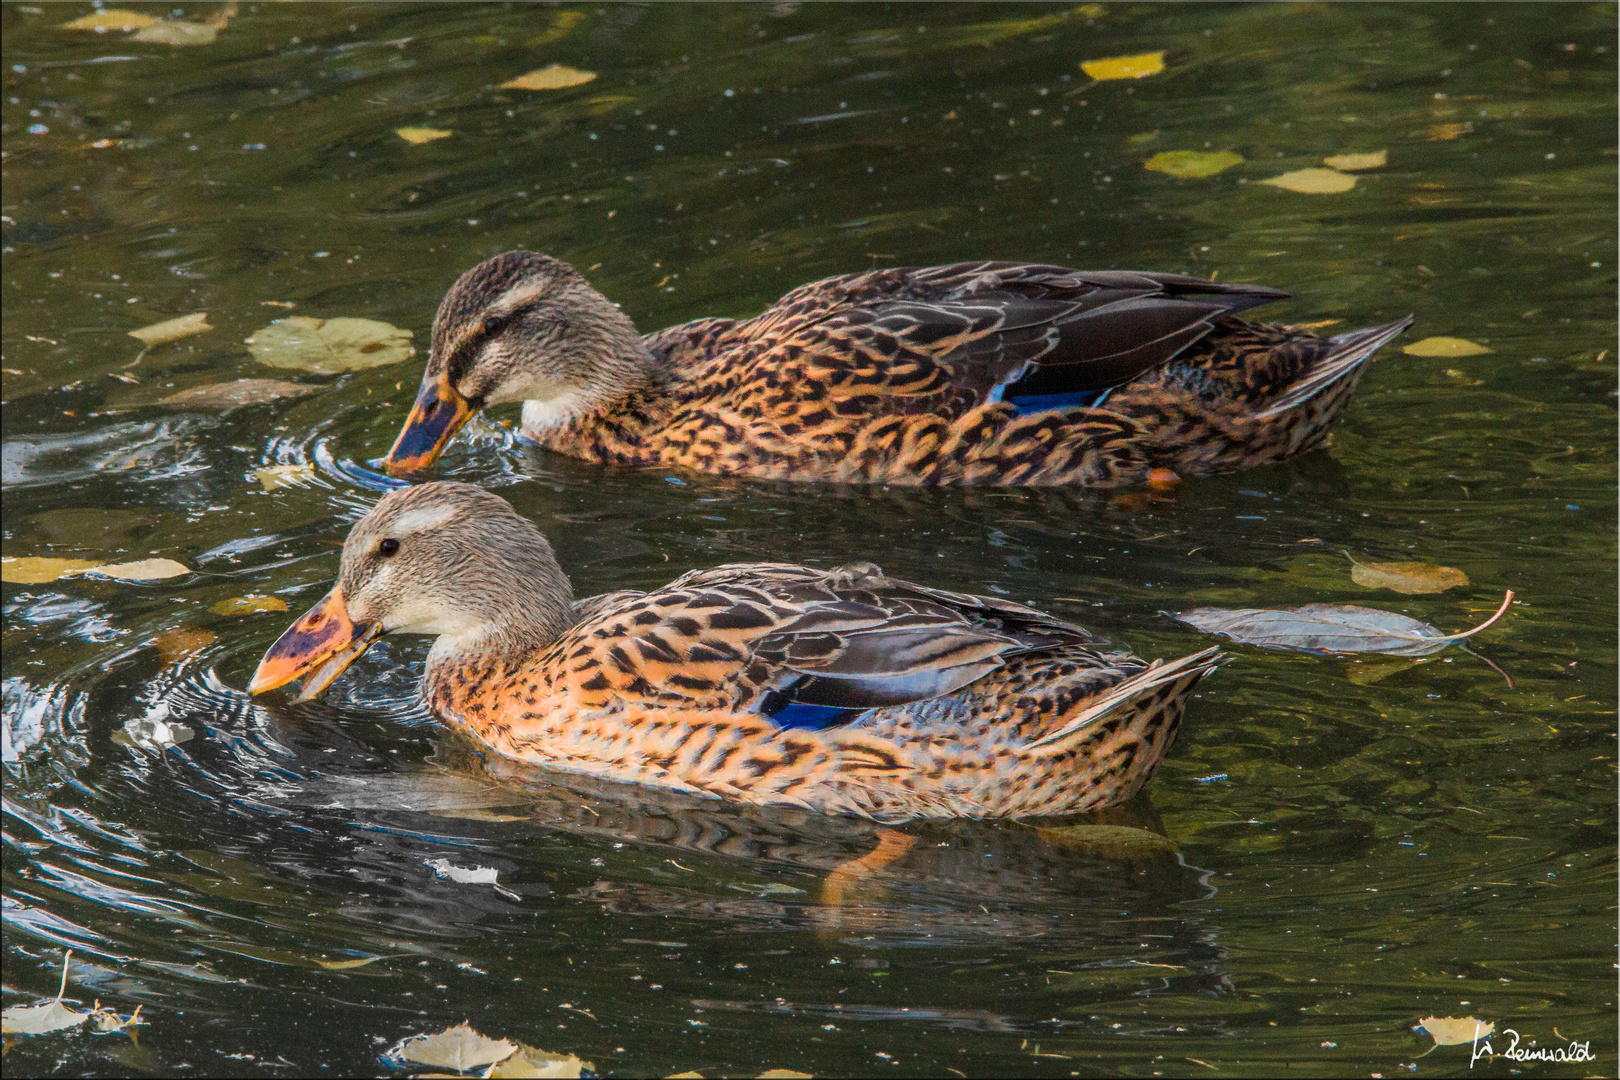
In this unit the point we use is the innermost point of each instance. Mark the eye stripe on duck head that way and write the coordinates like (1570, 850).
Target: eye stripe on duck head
(497, 286)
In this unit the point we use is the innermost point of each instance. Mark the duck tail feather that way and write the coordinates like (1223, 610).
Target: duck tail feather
(1350, 351)
(1188, 669)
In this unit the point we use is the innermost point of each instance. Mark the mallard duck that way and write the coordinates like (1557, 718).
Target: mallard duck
(840, 691)
(976, 373)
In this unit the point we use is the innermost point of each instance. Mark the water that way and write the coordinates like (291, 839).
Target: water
(1358, 845)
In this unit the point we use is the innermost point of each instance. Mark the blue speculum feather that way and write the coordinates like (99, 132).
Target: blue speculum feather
(796, 714)
(1035, 403)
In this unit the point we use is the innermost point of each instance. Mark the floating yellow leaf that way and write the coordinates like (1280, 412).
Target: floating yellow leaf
(532, 1062)
(459, 1048)
(1313, 181)
(1191, 164)
(1124, 67)
(1377, 159)
(233, 395)
(173, 329)
(113, 19)
(348, 965)
(1442, 132)
(36, 571)
(178, 32)
(1407, 577)
(1110, 841)
(1444, 346)
(143, 570)
(280, 476)
(417, 136)
(1450, 1031)
(690, 1074)
(783, 1074)
(248, 605)
(553, 77)
(329, 346)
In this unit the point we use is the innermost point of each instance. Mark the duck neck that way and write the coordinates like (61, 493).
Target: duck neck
(514, 624)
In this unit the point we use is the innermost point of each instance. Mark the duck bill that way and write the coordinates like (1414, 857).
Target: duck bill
(438, 414)
(321, 644)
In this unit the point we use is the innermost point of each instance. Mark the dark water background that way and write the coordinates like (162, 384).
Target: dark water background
(1359, 845)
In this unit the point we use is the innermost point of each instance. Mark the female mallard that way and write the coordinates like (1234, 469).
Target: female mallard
(977, 373)
(834, 690)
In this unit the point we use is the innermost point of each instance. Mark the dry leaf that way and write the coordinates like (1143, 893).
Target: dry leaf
(417, 136)
(173, 329)
(784, 1074)
(1110, 841)
(329, 346)
(248, 605)
(1313, 181)
(178, 32)
(46, 1017)
(459, 1048)
(1406, 577)
(1377, 159)
(532, 1062)
(349, 965)
(1451, 1031)
(1331, 628)
(143, 570)
(1444, 346)
(175, 645)
(108, 1021)
(1124, 67)
(1191, 164)
(112, 19)
(233, 395)
(690, 1074)
(280, 476)
(553, 77)
(1442, 132)
(33, 570)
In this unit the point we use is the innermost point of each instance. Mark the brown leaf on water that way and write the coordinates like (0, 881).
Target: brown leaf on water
(248, 605)
(172, 329)
(175, 645)
(142, 570)
(459, 1048)
(1377, 159)
(1406, 577)
(178, 32)
(784, 1074)
(1124, 67)
(1192, 164)
(234, 395)
(1313, 181)
(34, 570)
(1443, 132)
(531, 1061)
(1451, 1031)
(1444, 346)
(551, 77)
(418, 135)
(280, 476)
(111, 19)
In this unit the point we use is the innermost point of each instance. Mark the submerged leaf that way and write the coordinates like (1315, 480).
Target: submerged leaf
(1124, 67)
(280, 476)
(460, 1048)
(233, 395)
(1330, 628)
(173, 329)
(417, 136)
(248, 605)
(1450, 1031)
(1313, 181)
(177, 644)
(1406, 577)
(112, 19)
(143, 570)
(551, 77)
(33, 570)
(1191, 164)
(1444, 346)
(1110, 841)
(178, 32)
(1445, 132)
(329, 346)
(1377, 159)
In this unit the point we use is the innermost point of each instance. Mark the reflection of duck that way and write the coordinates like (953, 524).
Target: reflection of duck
(841, 691)
(977, 373)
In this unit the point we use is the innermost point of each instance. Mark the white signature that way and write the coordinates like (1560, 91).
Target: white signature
(1575, 1051)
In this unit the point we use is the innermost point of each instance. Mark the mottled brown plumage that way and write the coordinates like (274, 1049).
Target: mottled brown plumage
(834, 690)
(976, 373)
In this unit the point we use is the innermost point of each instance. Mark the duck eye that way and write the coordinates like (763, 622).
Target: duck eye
(387, 547)
(493, 324)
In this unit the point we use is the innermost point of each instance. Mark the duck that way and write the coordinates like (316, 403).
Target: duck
(981, 373)
(839, 691)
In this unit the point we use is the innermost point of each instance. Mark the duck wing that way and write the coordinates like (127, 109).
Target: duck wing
(1038, 336)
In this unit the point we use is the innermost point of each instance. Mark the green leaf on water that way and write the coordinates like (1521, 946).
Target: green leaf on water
(330, 346)
(1192, 164)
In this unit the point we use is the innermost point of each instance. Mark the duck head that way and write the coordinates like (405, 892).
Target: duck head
(520, 327)
(451, 560)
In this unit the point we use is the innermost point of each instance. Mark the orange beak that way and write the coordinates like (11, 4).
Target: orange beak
(322, 643)
(439, 412)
